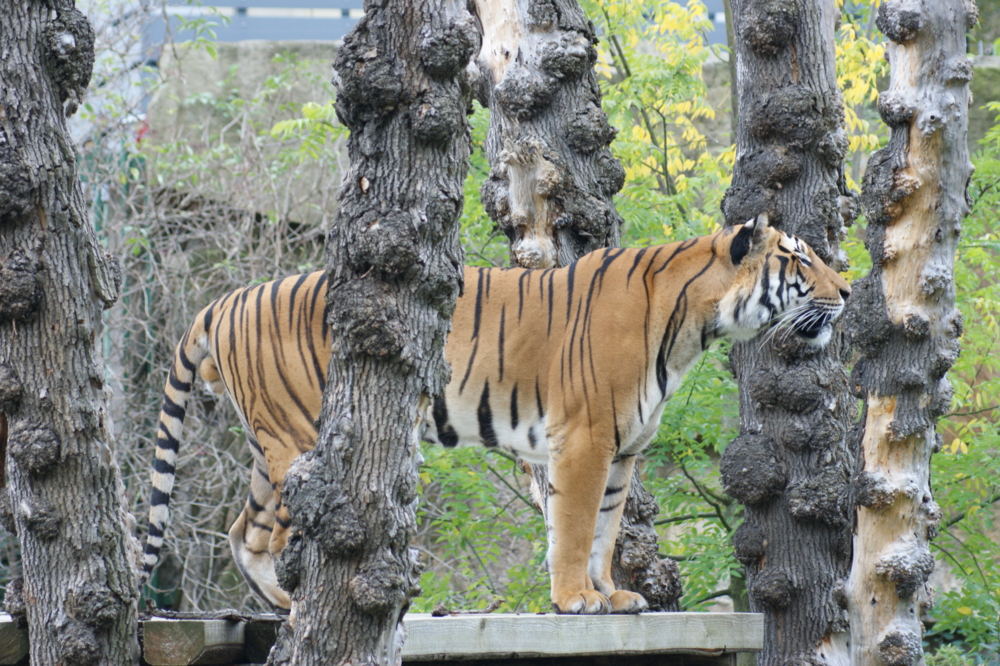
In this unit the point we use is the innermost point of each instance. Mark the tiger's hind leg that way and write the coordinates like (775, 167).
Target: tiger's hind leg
(250, 538)
(606, 534)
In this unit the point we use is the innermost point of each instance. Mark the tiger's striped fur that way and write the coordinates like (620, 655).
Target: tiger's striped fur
(567, 367)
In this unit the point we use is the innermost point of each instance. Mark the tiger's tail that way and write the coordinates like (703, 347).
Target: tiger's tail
(191, 352)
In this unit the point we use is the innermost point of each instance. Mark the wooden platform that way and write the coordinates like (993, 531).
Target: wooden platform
(649, 639)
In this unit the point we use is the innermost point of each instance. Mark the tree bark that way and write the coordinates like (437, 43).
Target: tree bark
(904, 321)
(394, 270)
(791, 463)
(731, 63)
(78, 592)
(550, 188)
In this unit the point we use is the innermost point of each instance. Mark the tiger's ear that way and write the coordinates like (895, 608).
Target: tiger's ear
(749, 235)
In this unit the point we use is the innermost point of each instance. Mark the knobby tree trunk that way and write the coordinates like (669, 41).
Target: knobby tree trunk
(791, 463)
(394, 269)
(549, 190)
(904, 322)
(64, 500)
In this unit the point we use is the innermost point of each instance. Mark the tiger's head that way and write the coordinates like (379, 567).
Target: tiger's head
(779, 283)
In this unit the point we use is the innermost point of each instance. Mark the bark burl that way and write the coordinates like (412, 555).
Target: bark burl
(78, 592)
(791, 464)
(904, 321)
(394, 269)
(550, 188)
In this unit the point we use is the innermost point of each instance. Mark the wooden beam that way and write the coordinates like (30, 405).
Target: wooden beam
(497, 639)
(13, 641)
(192, 642)
(509, 636)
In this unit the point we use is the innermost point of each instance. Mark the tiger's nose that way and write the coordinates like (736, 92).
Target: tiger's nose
(845, 292)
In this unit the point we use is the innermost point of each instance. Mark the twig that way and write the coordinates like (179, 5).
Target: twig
(680, 519)
(230, 614)
(442, 611)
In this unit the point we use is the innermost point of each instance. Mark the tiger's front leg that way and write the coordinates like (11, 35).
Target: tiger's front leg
(579, 469)
(602, 549)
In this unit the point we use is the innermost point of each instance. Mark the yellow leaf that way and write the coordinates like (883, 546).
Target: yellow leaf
(965, 610)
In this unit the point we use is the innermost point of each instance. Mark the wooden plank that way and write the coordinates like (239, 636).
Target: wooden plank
(500, 636)
(483, 640)
(728, 659)
(192, 642)
(260, 635)
(13, 641)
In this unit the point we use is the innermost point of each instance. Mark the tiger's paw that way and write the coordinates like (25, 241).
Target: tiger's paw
(585, 602)
(623, 601)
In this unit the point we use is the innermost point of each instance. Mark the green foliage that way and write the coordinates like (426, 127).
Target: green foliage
(651, 59)
(484, 244)
(948, 655)
(697, 517)
(967, 470)
(486, 539)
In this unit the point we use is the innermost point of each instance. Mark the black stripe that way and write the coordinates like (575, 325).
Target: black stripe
(308, 335)
(254, 444)
(686, 245)
(291, 297)
(674, 325)
(185, 361)
(252, 503)
(611, 491)
(572, 338)
(551, 273)
(503, 320)
(163, 467)
(263, 473)
(209, 313)
(284, 523)
(485, 416)
(532, 440)
(178, 385)
(520, 293)
(765, 282)
(266, 528)
(154, 531)
(158, 498)
(662, 376)
(513, 408)
(614, 416)
(166, 441)
(638, 257)
(538, 400)
(446, 433)
(569, 291)
(171, 409)
(610, 508)
(479, 303)
(468, 368)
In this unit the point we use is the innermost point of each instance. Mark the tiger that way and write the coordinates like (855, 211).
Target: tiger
(566, 367)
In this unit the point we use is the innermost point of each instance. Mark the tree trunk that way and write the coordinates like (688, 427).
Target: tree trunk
(550, 186)
(79, 586)
(904, 321)
(791, 463)
(394, 270)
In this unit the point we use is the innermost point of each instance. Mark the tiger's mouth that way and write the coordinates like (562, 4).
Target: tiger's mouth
(816, 324)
